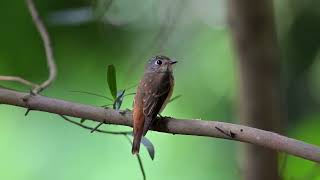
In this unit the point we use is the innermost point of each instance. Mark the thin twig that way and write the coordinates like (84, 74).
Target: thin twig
(124, 133)
(207, 128)
(141, 166)
(139, 160)
(27, 112)
(94, 94)
(47, 46)
(48, 49)
(97, 130)
(19, 80)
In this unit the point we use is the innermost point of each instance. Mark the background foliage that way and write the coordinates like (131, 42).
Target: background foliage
(89, 35)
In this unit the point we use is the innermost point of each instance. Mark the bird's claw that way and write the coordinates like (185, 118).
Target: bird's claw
(164, 117)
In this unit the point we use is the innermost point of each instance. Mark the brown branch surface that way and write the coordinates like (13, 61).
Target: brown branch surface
(47, 46)
(168, 125)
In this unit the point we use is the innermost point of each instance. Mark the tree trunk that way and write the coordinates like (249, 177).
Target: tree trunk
(253, 33)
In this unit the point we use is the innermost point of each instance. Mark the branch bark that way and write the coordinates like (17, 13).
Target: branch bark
(235, 132)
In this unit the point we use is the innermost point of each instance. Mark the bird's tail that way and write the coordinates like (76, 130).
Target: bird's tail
(136, 142)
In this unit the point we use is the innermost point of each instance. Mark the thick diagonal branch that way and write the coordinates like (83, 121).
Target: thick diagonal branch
(169, 125)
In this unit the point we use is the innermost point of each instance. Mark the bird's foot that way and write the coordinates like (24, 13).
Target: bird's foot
(164, 117)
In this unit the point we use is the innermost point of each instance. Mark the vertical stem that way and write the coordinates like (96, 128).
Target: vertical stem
(47, 46)
(253, 33)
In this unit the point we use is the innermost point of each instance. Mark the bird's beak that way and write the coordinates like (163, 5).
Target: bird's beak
(173, 62)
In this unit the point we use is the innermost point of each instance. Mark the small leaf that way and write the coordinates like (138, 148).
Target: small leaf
(118, 101)
(174, 98)
(112, 81)
(149, 146)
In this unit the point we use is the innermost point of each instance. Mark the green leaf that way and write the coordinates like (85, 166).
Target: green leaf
(149, 146)
(112, 81)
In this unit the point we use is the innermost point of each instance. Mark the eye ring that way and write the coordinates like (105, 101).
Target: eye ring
(158, 62)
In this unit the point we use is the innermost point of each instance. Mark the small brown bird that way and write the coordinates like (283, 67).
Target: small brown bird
(153, 93)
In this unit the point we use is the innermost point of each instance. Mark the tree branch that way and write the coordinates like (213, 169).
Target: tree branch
(19, 80)
(49, 54)
(47, 46)
(168, 125)
(125, 134)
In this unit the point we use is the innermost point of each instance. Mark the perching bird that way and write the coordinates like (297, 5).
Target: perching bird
(153, 93)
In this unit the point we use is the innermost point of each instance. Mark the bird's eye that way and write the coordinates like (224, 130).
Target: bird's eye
(159, 62)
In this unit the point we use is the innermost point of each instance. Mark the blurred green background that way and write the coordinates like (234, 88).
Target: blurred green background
(87, 36)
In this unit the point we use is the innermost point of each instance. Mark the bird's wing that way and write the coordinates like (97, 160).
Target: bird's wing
(138, 122)
(153, 101)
